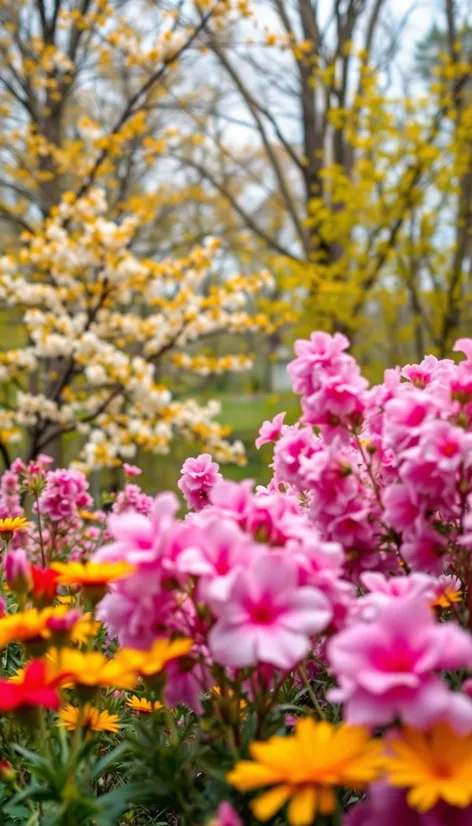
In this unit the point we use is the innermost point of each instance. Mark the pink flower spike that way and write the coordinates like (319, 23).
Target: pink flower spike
(131, 470)
(270, 430)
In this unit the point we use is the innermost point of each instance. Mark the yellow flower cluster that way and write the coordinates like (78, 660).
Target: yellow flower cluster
(305, 768)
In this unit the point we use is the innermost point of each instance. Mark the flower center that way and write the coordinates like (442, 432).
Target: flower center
(262, 612)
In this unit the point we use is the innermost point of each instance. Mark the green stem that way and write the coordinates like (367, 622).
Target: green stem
(40, 530)
(311, 693)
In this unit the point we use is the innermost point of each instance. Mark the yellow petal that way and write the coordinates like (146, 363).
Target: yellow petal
(326, 800)
(266, 805)
(247, 775)
(302, 808)
(423, 798)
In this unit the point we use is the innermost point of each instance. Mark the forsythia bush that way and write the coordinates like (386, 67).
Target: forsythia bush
(293, 654)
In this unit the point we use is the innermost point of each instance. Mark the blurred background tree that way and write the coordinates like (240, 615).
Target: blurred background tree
(327, 142)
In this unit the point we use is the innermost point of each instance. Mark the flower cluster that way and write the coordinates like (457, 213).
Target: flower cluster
(313, 637)
(104, 316)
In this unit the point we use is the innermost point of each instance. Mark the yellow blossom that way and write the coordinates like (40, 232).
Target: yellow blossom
(304, 768)
(91, 669)
(91, 574)
(10, 524)
(91, 718)
(149, 663)
(142, 704)
(433, 766)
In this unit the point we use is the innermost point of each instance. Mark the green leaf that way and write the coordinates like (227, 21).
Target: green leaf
(108, 759)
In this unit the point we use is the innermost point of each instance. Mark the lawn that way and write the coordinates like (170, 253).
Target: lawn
(244, 414)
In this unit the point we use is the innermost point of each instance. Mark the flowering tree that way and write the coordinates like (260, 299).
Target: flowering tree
(94, 306)
(365, 210)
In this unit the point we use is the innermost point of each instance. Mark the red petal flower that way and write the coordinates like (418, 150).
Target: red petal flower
(35, 690)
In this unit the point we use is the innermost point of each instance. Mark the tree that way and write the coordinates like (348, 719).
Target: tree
(92, 312)
(359, 205)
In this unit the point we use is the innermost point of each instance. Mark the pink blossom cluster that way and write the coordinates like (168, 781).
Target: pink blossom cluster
(356, 549)
(199, 477)
(132, 498)
(65, 493)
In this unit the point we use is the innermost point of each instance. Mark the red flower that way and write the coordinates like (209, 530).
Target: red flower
(44, 583)
(34, 690)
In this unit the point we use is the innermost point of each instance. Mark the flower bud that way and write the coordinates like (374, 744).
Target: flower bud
(18, 572)
(7, 772)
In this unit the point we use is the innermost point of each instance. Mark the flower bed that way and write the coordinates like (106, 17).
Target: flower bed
(295, 653)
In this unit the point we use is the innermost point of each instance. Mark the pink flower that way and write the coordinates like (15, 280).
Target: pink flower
(136, 619)
(400, 509)
(234, 498)
(385, 590)
(215, 554)
(185, 683)
(427, 371)
(319, 352)
(65, 493)
(386, 669)
(131, 470)
(387, 806)
(199, 477)
(424, 549)
(464, 345)
(294, 443)
(63, 625)
(132, 498)
(405, 416)
(225, 816)
(267, 617)
(18, 571)
(270, 431)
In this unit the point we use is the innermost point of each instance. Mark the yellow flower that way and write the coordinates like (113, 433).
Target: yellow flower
(84, 628)
(13, 523)
(91, 574)
(142, 704)
(148, 663)
(32, 626)
(18, 676)
(304, 767)
(447, 597)
(436, 765)
(90, 718)
(229, 697)
(90, 669)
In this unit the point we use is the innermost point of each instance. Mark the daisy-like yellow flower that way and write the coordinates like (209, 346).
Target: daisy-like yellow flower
(84, 628)
(33, 625)
(10, 524)
(447, 597)
(142, 704)
(90, 669)
(88, 516)
(434, 766)
(91, 718)
(149, 663)
(91, 574)
(304, 768)
(229, 697)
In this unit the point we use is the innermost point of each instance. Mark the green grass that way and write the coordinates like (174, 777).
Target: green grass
(244, 414)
